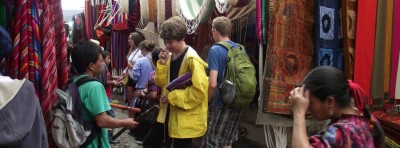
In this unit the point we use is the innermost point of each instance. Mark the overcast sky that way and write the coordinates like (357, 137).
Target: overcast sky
(73, 4)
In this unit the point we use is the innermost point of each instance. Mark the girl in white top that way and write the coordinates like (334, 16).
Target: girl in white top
(133, 55)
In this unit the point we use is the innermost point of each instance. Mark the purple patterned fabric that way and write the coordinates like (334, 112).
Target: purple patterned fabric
(181, 82)
(152, 85)
(348, 131)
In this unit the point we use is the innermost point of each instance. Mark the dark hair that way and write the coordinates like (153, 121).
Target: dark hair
(137, 38)
(147, 45)
(83, 54)
(155, 53)
(326, 81)
(173, 29)
(105, 53)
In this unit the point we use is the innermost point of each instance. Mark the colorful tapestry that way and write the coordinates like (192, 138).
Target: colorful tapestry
(289, 54)
(349, 17)
(328, 34)
(119, 39)
(365, 33)
(395, 52)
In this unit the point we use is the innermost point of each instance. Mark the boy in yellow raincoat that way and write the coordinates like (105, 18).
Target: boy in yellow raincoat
(184, 111)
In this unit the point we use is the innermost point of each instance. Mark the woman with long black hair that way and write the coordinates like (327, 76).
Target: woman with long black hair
(327, 94)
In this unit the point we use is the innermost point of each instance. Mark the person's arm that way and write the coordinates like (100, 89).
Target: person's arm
(195, 94)
(212, 83)
(105, 121)
(137, 68)
(213, 67)
(299, 137)
(300, 101)
(96, 103)
(161, 74)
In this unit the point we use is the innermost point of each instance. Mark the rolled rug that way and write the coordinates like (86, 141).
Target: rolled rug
(181, 82)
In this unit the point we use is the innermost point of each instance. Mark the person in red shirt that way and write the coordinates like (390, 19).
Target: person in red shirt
(109, 86)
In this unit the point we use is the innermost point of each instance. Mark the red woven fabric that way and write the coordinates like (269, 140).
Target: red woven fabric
(365, 33)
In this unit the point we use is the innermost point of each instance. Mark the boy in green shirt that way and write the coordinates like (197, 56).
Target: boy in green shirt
(87, 60)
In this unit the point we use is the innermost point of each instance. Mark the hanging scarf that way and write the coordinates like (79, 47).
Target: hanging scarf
(60, 43)
(265, 20)
(259, 20)
(378, 64)
(365, 33)
(49, 65)
(388, 46)
(395, 53)
(349, 12)
(327, 34)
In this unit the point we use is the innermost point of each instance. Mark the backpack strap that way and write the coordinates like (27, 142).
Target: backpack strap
(228, 47)
(152, 64)
(96, 130)
(85, 79)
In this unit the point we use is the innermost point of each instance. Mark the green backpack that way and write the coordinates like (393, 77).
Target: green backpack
(241, 72)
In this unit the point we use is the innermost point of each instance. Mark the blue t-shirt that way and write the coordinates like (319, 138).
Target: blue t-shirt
(217, 61)
(141, 72)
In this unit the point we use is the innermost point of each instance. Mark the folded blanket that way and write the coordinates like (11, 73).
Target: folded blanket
(181, 82)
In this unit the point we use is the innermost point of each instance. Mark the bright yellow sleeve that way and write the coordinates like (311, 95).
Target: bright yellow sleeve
(161, 74)
(196, 93)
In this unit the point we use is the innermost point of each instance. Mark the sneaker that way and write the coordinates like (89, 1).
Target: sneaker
(139, 143)
(116, 141)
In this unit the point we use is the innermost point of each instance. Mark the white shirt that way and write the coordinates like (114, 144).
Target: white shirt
(133, 57)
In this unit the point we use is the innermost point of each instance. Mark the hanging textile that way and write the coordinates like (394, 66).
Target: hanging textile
(397, 93)
(262, 20)
(395, 74)
(119, 38)
(91, 15)
(148, 9)
(3, 13)
(349, 13)
(265, 20)
(289, 54)
(134, 15)
(383, 47)
(24, 60)
(235, 13)
(388, 46)
(166, 9)
(194, 12)
(365, 33)
(239, 3)
(259, 20)
(328, 34)
(60, 42)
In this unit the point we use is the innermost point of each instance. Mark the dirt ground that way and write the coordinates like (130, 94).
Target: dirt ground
(127, 141)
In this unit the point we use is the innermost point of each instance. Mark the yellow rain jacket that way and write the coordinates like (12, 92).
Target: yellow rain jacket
(188, 107)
